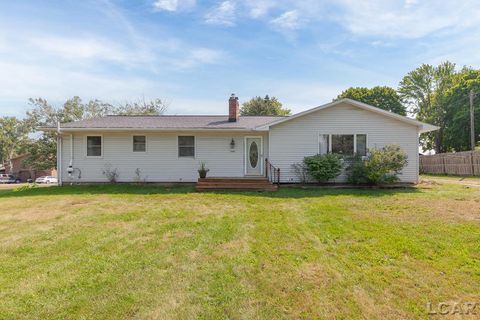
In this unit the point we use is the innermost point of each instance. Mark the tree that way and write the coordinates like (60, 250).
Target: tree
(13, 137)
(423, 89)
(384, 98)
(267, 106)
(456, 134)
(43, 153)
(142, 107)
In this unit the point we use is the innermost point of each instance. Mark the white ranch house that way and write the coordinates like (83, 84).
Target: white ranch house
(171, 148)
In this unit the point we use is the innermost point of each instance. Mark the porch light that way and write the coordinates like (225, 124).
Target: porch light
(232, 144)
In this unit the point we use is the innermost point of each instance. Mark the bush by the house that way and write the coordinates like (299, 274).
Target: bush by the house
(110, 173)
(381, 166)
(323, 167)
(301, 171)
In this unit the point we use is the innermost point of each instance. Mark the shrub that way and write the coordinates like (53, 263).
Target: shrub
(301, 171)
(138, 178)
(381, 166)
(323, 167)
(111, 174)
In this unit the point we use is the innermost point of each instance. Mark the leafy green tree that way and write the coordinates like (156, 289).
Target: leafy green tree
(142, 107)
(43, 153)
(423, 89)
(267, 106)
(13, 137)
(456, 134)
(381, 97)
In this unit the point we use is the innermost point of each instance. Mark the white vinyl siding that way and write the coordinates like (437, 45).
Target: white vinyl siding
(161, 163)
(292, 140)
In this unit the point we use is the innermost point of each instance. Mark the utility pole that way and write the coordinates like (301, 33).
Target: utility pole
(472, 121)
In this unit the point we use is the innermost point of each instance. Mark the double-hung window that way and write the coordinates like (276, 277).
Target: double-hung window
(344, 144)
(139, 143)
(94, 146)
(186, 146)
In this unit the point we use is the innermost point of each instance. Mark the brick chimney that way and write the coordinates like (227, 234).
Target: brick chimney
(233, 108)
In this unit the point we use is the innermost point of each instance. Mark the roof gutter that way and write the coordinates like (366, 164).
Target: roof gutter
(62, 130)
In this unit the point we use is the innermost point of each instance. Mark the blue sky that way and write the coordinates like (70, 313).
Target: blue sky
(194, 54)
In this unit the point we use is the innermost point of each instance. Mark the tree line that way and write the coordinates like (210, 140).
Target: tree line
(19, 136)
(438, 95)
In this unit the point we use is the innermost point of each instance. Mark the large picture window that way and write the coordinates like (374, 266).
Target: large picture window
(94, 146)
(186, 146)
(139, 143)
(344, 144)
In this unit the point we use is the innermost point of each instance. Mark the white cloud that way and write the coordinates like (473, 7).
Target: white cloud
(259, 8)
(173, 5)
(289, 20)
(199, 56)
(408, 20)
(80, 48)
(223, 14)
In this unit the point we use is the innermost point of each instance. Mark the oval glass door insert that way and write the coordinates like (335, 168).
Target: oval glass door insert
(253, 154)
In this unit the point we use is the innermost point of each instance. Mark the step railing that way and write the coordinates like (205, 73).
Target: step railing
(272, 173)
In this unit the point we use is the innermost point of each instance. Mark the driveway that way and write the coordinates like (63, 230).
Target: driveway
(6, 186)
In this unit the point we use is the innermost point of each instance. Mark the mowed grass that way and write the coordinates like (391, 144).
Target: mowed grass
(145, 252)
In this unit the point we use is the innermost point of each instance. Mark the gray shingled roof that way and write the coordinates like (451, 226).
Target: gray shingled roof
(170, 122)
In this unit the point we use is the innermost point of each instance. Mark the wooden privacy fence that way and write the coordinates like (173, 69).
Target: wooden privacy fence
(465, 163)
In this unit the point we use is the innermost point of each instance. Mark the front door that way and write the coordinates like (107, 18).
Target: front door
(253, 156)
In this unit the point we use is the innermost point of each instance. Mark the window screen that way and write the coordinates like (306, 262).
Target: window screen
(186, 146)
(94, 146)
(139, 143)
(362, 144)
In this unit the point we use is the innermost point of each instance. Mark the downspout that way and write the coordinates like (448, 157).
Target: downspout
(71, 151)
(59, 155)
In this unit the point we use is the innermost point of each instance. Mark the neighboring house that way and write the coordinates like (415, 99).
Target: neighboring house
(23, 172)
(171, 148)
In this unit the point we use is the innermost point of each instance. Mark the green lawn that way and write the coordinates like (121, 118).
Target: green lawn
(114, 252)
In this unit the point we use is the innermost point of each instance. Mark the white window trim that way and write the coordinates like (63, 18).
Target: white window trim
(86, 146)
(194, 147)
(332, 134)
(146, 143)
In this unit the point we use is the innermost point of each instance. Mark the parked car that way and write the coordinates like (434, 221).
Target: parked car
(46, 179)
(8, 178)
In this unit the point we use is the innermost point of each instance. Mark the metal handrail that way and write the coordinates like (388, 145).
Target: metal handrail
(272, 173)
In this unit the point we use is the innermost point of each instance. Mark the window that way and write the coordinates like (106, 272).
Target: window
(361, 145)
(186, 146)
(94, 146)
(324, 141)
(343, 144)
(139, 143)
